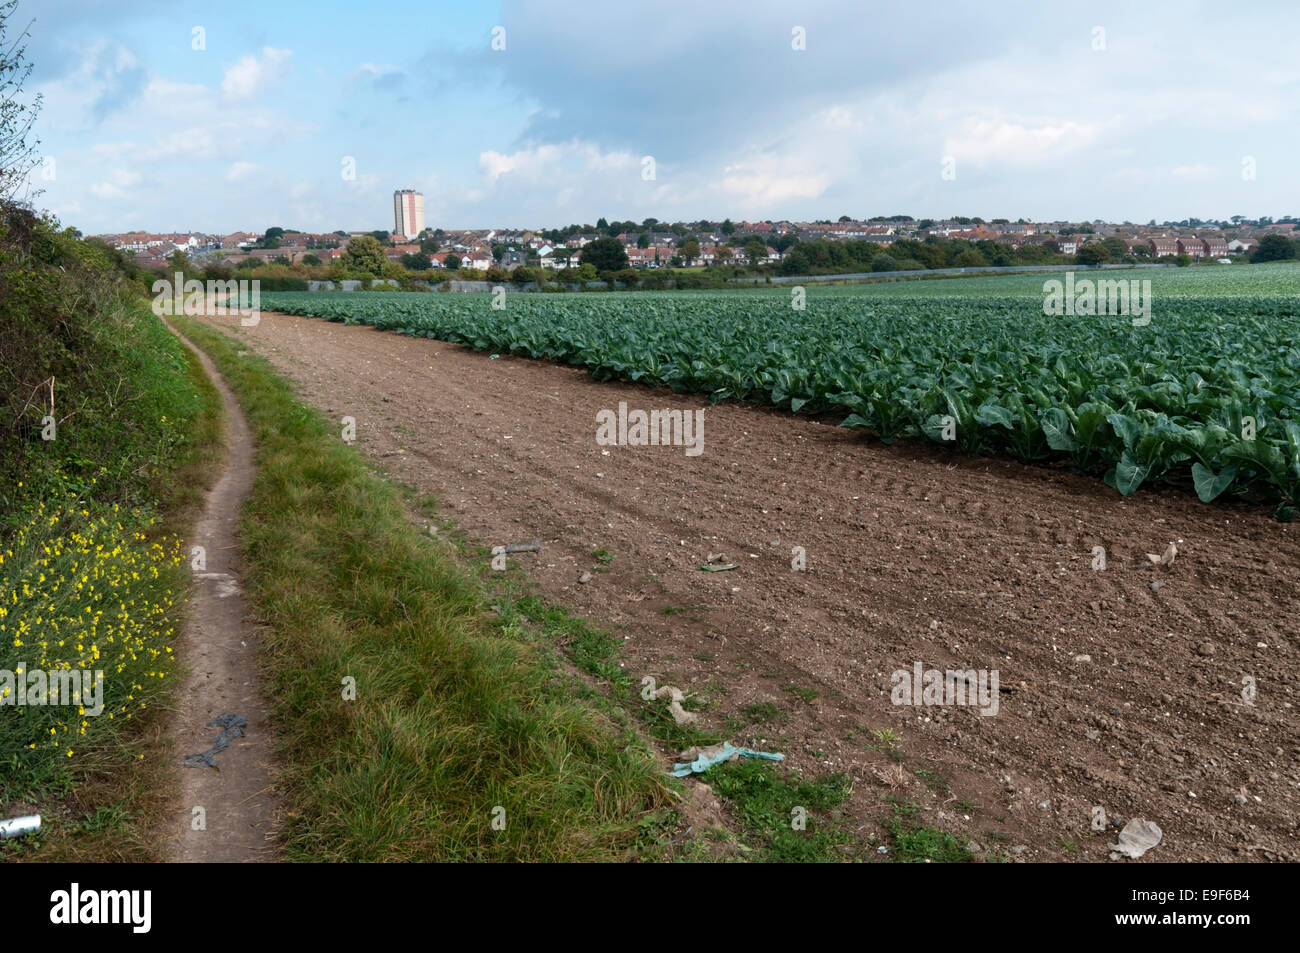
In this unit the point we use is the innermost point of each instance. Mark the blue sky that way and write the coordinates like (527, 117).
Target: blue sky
(1042, 115)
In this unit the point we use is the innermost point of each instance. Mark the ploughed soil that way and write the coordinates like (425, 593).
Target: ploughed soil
(1129, 691)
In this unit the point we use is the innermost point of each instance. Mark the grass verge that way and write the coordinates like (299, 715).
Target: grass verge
(414, 725)
(779, 816)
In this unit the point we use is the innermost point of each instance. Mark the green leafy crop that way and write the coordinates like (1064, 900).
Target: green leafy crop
(1206, 394)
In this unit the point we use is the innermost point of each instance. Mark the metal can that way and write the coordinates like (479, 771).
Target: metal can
(18, 826)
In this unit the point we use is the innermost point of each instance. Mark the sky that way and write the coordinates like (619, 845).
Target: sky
(179, 116)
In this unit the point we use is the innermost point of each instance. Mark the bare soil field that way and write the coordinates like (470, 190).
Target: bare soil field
(1163, 693)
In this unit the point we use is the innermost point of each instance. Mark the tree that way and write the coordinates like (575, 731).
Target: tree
(970, 258)
(602, 224)
(650, 223)
(310, 260)
(1093, 253)
(17, 155)
(755, 251)
(643, 240)
(691, 250)
(364, 255)
(727, 228)
(380, 235)
(416, 262)
(1273, 248)
(605, 254)
(586, 272)
(883, 262)
(451, 262)
(845, 218)
(1115, 248)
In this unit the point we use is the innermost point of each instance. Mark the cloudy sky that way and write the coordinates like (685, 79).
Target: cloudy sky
(172, 115)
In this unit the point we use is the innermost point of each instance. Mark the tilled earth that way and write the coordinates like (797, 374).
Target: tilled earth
(1164, 693)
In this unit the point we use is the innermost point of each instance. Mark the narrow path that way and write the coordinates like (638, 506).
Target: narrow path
(238, 802)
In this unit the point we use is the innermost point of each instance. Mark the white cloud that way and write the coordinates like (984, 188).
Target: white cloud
(252, 75)
(376, 71)
(115, 186)
(760, 184)
(563, 161)
(1000, 140)
(240, 170)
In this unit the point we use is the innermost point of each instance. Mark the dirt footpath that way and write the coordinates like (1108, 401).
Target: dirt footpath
(1161, 693)
(218, 649)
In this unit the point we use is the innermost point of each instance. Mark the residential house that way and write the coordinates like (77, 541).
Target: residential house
(1215, 247)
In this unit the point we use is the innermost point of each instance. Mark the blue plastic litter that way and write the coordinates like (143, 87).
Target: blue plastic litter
(726, 753)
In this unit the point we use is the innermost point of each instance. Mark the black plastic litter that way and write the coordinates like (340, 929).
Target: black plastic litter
(232, 727)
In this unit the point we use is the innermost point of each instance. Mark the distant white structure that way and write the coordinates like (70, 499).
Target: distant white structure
(408, 213)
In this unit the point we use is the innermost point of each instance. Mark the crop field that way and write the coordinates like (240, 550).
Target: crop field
(1207, 394)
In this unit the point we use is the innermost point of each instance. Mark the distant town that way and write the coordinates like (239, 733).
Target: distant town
(651, 244)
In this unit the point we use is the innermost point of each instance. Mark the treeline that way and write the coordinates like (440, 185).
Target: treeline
(834, 257)
(366, 262)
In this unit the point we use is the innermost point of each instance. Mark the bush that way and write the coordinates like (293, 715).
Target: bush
(71, 325)
(282, 283)
(1274, 248)
(86, 583)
